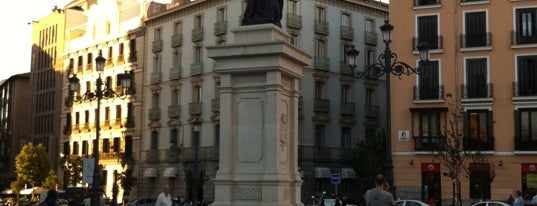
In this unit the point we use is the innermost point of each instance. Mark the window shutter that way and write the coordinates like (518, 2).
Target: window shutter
(490, 130)
(517, 129)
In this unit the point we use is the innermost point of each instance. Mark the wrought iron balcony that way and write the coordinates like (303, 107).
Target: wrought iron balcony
(294, 21)
(428, 143)
(435, 42)
(344, 68)
(154, 114)
(197, 34)
(371, 38)
(321, 63)
(525, 143)
(372, 111)
(195, 108)
(157, 46)
(220, 28)
(521, 37)
(132, 57)
(347, 108)
(321, 27)
(321, 105)
(151, 156)
(175, 72)
(476, 144)
(174, 111)
(196, 68)
(476, 91)
(177, 40)
(426, 2)
(155, 77)
(476, 40)
(347, 32)
(429, 92)
(524, 90)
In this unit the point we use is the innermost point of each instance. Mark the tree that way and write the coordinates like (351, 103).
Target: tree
(32, 164)
(481, 174)
(51, 181)
(73, 170)
(126, 181)
(366, 159)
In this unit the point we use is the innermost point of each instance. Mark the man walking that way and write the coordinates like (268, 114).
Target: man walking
(164, 198)
(378, 196)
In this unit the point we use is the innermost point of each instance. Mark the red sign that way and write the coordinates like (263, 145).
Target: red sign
(430, 167)
(529, 167)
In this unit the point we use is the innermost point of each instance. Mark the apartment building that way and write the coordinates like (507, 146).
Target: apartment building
(481, 69)
(14, 118)
(180, 141)
(112, 30)
(46, 82)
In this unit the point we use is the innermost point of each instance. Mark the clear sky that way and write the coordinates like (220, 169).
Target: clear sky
(16, 40)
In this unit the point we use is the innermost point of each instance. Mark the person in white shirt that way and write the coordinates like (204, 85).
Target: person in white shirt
(534, 199)
(164, 198)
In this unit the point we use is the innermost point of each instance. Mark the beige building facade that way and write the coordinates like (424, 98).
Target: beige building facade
(482, 68)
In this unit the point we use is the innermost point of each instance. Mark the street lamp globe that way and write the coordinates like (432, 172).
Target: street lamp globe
(352, 55)
(423, 49)
(74, 83)
(126, 80)
(100, 60)
(386, 30)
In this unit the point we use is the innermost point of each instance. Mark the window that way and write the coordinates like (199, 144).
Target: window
(176, 59)
(425, 2)
(154, 140)
(476, 78)
(370, 97)
(345, 92)
(427, 31)
(426, 126)
(85, 147)
(86, 116)
(75, 148)
(478, 130)
(527, 75)
(118, 111)
(526, 129)
(370, 57)
(107, 27)
(526, 25)
(66, 148)
(320, 48)
(320, 133)
(121, 50)
(293, 7)
(158, 34)
(106, 145)
(198, 54)
(346, 20)
(80, 61)
(90, 58)
(117, 143)
(198, 22)
(475, 30)
(221, 14)
(157, 63)
(429, 82)
(197, 94)
(480, 179)
(177, 27)
(175, 97)
(155, 99)
(110, 53)
(346, 138)
(320, 14)
(369, 25)
(319, 89)
(107, 113)
(174, 138)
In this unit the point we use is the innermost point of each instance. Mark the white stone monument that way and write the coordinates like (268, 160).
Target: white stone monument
(259, 92)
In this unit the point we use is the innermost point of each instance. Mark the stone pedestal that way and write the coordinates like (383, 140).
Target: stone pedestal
(259, 92)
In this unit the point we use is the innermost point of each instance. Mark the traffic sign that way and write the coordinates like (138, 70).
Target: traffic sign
(335, 179)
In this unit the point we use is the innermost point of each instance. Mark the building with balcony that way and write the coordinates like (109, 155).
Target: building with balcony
(482, 68)
(181, 92)
(113, 30)
(14, 120)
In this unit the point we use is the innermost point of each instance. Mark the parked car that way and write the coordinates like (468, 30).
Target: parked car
(490, 203)
(148, 201)
(410, 203)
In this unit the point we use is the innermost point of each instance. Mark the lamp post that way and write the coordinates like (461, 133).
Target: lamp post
(196, 127)
(99, 94)
(388, 64)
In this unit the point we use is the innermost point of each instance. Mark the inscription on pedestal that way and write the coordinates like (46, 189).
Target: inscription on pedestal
(247, 192)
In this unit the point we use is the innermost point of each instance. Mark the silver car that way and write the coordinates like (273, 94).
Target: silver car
(410, 203)
(148, 201)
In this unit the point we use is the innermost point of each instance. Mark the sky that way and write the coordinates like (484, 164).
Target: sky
(16, 40)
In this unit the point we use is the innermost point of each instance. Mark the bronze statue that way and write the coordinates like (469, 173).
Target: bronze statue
(263, 12)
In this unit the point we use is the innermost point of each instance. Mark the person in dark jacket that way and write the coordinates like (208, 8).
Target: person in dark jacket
(51, 198)
(378, 196)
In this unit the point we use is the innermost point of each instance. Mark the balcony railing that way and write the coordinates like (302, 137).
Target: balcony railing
(195, 108)
(321, 105)
(525, 143)
(347, 32)
(197, 34)
(434, 42)
(321, 154)
(196, 68)
(476, 40)
(155, 77)
(428, 143)
(478, 145)
(175, 72)
(372, 111)
(151, 156)
(520, 37)
(429, 92)
(321, 63)
(172, 154)
(476, 91)
(132, 57)
(294, 21)
(154, 114)
(321, 27)
(157, 46)
(521, 90)
(426, 2)
(344, 68)
(347, 108)
(177, 40)
(371, 37)
(174, 111)
(220, 28)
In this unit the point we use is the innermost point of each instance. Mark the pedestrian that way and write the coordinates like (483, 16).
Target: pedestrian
(534, 199)
(510, 200)
(344, 201)
(378, 196)
(51, 198)
(519, 200)
(164, 198)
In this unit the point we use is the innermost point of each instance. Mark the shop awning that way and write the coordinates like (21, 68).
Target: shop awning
(170, 172)
(150, 172)
(322, 172)
(348, 173)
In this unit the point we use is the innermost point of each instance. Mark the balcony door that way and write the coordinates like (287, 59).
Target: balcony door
(475, 28)
(527, 75)
(526, 25)
(428, 30)
(476, 78)
(429, 82)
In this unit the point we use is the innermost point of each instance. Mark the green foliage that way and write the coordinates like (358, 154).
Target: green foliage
(32, 164)
(127, 181)
(17, 186)
(73, 170)
(51, 181)
(369, 159)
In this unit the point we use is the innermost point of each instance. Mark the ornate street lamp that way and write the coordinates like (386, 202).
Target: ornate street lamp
(388, 64)
(99, 94)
